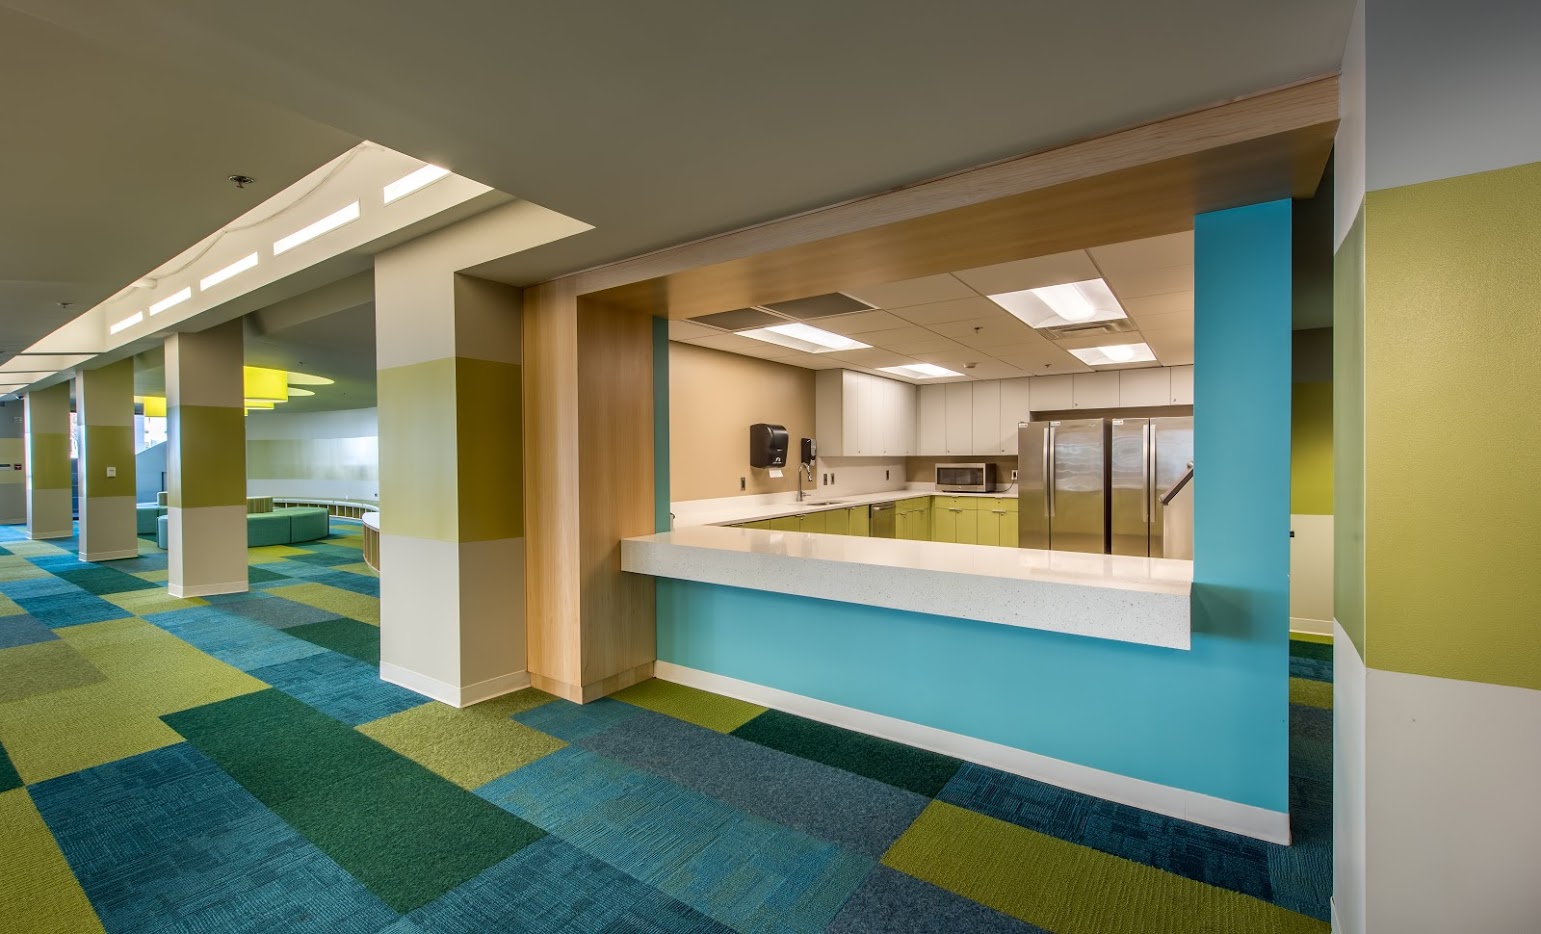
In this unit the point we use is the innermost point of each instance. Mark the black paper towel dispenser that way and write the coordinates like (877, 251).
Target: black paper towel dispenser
(767, 445)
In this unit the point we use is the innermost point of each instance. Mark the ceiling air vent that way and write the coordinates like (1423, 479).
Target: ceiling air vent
(819, 306)
(1089, 329)
(740, 319)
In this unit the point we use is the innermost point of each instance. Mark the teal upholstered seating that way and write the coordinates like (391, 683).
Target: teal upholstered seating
(279, 527)
(145, 515)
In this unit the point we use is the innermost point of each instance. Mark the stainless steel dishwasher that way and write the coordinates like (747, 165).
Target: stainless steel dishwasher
(881, 521)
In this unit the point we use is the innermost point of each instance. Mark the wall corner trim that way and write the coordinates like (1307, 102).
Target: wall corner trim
(1245, 819)
(454, 695)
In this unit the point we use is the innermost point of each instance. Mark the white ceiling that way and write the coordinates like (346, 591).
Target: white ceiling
(112, 164)
(657, 122)
(948, 321)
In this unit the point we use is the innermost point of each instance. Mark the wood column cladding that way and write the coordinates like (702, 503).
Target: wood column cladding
(588, 375)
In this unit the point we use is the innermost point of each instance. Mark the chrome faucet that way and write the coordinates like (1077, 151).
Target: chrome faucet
(803, 469)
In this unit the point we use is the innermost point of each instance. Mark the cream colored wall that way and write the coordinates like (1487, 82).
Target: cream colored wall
(713, 399)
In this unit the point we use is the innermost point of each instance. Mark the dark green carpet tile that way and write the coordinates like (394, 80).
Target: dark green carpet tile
(258, 575)
(106, 580)
(408, 835)
(1319, 651)
(8, 777)
(348, 636)
(917, 770)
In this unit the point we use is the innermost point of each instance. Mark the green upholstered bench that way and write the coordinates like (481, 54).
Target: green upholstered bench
(145, 515)
(279, 527)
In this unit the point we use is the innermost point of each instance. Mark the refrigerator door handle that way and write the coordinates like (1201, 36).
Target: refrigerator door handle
(1048, 468)
(1177, 487)
(1150, 471)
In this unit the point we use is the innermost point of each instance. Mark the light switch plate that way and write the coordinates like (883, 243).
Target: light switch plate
(112, 471)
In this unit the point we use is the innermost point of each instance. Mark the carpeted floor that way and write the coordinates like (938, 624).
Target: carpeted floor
(234, 764)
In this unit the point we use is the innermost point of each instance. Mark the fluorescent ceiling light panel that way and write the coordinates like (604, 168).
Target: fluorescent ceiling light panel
(325, 225)
(172, 300)
(804, 337)
(1058, 305)
(127, 323)
(411, 182)
(234, 269)
(919, 371)
(1114, 353)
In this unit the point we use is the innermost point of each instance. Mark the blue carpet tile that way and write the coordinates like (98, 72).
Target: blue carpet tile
(344, 580)
(338, 686)
(165, 841)
(70, 609)
(739, 869)
(38, 587)
(1314, 668)
(23, 630)
(234, 640)
(553, 886)
(858, 813)
(890, 902)
(574, 722)
(271, 611)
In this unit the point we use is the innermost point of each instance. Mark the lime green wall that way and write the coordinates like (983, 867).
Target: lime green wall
(1452, 449)
(1348, 434)
(206, 456)
(1311, 449)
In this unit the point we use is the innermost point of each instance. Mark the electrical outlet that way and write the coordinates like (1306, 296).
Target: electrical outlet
(885, 475)
(1013, 476)
(831, 478)
(742, 484)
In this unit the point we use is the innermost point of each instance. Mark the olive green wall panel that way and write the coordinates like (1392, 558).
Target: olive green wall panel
(418, 450)
(205, 456)
(1452, 451)
(109, 445)
(1311, 449)
(49, 460)
(491, 445)
(1348, 434)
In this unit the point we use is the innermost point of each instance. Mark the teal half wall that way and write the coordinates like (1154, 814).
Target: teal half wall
(1212, 720)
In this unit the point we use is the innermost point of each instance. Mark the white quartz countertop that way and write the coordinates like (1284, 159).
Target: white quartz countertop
(1143, 600)
(728, 512)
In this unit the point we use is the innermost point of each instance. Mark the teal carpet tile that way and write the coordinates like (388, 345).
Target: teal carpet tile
(269, 610)
(70, 609)
(553, 886)
(863, 815)
(741, 870)
(348, 636)
(234, 640)
(574, 722)
(23, 630)
(408, 835)
(346, 580)
(260, 575)
(917, 770)
(166, 841)
(338, 686)
(100, 580)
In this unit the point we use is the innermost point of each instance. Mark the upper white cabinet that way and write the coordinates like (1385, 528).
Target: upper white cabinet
(931, 422)
(1151, 386)
(1182, 385)
(988, 438)
(960, 418)
(859, 415)
(1094, 391)
(1050, 393)
(1016, 408)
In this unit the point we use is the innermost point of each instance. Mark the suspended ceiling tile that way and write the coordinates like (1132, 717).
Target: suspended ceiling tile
(1144, 282)
(732, 343)
(922, 291)
(861, 323)
(1151, 253)
(872, 358)
(1035, 273)
(682, 330)
(1165, 304)
(1000, 330)
(956, 310)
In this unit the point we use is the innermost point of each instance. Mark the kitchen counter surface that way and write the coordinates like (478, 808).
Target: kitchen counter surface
(1141, 600)
(727, 512)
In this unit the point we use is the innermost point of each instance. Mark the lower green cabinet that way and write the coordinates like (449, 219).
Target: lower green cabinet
(859, 521)
(813, 522)
(998, 522)
(912, 520)
(969, 520)
(786, 524)
(837, 522)
(955, 519)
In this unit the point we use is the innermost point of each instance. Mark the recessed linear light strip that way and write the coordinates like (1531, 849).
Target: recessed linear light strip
(919, 371)
(412, 181)
(229, 272)
(804, 337)
(127, 323)
(325, 225)
(172, 300)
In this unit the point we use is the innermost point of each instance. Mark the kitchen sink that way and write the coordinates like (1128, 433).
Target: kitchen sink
(824, 502)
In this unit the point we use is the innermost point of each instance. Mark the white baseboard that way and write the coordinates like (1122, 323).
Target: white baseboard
(206, 590)
(44, 536)
(1245, 819)
(454, 695)
(1316, 627)
(111, 555)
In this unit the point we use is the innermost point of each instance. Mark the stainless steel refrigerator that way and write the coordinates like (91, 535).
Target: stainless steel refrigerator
(1149, 456)
(1062, 485)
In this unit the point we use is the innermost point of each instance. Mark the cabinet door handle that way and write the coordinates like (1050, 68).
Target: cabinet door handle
(999, 512)
(953, 509)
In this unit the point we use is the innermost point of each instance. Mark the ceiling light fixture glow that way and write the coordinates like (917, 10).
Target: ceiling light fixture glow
(919, 371)
(127, 323)
(1111, 354)
(326, 224)
(805, 337)
(1058, 305)
(413, 181)
(176, 298)
(234, 269)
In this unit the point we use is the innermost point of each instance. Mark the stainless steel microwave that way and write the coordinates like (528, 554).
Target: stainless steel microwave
(965, 478)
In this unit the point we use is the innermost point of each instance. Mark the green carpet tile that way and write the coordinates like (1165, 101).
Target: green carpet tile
(235, 764)
(901, 766)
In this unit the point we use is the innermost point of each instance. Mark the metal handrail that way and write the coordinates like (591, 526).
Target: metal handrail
(1177, 487)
